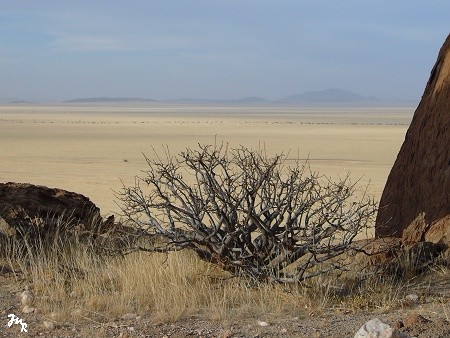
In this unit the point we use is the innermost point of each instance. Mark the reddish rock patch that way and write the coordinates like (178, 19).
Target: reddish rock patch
(419, 181)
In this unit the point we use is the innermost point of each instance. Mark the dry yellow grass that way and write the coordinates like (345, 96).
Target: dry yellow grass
(73, 283)
(79, 285)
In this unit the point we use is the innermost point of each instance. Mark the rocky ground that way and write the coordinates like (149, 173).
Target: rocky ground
(426, 317)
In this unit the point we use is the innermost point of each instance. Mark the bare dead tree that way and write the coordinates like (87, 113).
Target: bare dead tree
(251, 214)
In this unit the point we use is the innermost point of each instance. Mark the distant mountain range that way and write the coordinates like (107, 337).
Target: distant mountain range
(331, 96)
(327, 97)
(108, 99)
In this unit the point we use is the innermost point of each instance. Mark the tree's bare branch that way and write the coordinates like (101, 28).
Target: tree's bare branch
(249, 213)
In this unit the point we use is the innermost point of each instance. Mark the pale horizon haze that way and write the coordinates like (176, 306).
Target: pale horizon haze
(60, 50)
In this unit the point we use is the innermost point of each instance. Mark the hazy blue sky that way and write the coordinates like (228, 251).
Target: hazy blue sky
(62, 49)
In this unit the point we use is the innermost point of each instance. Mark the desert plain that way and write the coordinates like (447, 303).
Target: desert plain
(94, 149)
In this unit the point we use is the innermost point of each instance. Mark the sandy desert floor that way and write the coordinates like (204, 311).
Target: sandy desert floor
(91, 149)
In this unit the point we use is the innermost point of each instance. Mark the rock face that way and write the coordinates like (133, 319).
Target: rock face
(29, 208)
(419, 181)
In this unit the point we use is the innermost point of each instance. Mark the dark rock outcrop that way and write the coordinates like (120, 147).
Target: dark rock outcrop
(419, 182)
(28, 208)
(47, 218)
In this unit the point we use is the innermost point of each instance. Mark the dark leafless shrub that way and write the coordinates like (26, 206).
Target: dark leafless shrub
(252, 214)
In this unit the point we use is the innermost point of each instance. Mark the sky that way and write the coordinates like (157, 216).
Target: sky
(210, 49)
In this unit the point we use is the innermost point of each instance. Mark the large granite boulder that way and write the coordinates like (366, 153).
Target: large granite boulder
(418, 187)
(32, 209)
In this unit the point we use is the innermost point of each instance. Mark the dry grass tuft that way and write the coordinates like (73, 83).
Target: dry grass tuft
(74, 282)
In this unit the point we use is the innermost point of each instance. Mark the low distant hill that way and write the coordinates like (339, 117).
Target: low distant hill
(21, 102)
(108, 100)
(328, 96)
(244, 100)
(12, 100)
(250, 99)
